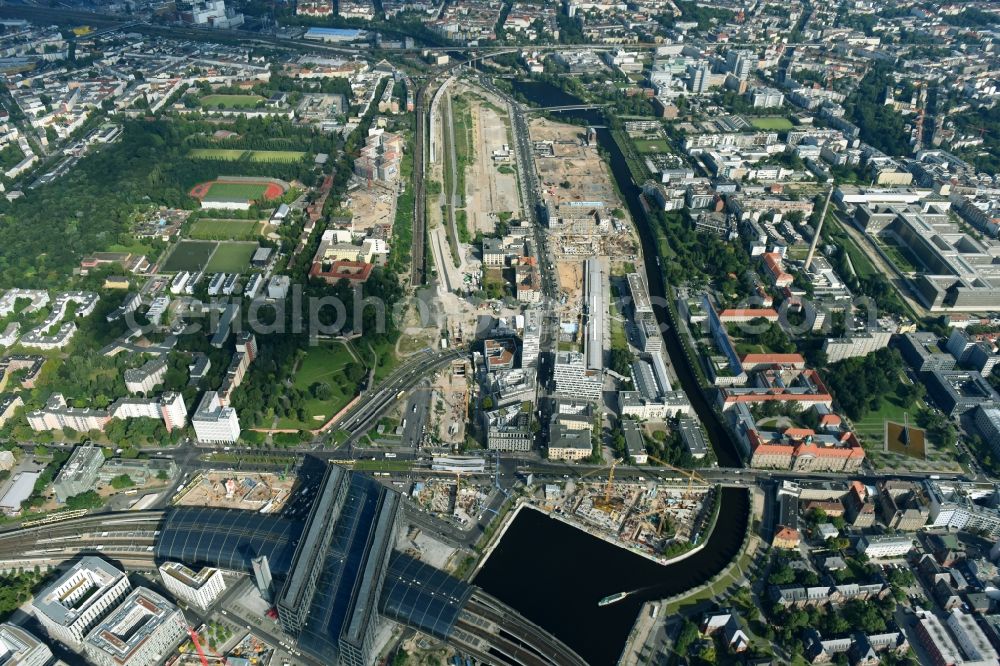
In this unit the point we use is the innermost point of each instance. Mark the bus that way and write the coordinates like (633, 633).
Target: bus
(390, 455)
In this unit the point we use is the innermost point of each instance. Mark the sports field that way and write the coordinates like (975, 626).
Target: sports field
(225, 230)
(324, 364)
(189, 255)
(231, 257)
(776, 123)
(231, 155)
(233, 191)
(231, 101)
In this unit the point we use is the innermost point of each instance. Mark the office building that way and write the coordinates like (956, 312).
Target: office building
(596, 311)
(959, 391)
(508, 429)
(953, 506)
(574, 380)
(988, 424)
(566, 443)
(532, 338)
(878, 546)
(635, 442)
(19, 648)
(143, 631)
(962, 643)
(79, 473)
(213, 423)
(198, 588)
(922, 352)
(72, 605)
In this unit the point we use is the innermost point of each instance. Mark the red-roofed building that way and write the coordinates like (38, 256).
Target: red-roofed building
(772, 262)
(741, 315)
(787, 538)
(800, 449)
(352, 271)
(752, 362)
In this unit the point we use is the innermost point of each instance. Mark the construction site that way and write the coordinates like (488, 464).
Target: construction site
(584, 216)
(450, 403)
(251, 491)
(454, 498)
(653, 518)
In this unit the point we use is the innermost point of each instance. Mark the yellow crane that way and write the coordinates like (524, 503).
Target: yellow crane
(606, 502)
(691, 475)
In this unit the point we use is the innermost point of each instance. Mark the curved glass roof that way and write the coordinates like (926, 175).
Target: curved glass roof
(422, 596)
(227, 539)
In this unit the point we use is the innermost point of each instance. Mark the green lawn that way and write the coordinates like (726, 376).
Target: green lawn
(652, 145)
(383, 466)
(324, 364)
(872, 426)
(231, 257)
(189, 255)
(225, 229)
(236, 191)
(776, 123)
(618, 339)
(231, 154)
(231, 101)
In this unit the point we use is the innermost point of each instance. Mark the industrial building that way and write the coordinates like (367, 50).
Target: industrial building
(596, 311)
(73, 605)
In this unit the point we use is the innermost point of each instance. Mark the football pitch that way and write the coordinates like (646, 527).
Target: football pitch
(231, 257)
(235, 191)
(209, 229)
(189, 255)
(232, 154)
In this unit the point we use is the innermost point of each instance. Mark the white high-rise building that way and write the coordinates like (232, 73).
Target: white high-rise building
(573, 378)
(213, 423)
(532, 338)
(70, 607)
(143, 631)
(198, 588)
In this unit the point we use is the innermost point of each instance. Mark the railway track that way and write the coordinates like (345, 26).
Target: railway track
(418, 264)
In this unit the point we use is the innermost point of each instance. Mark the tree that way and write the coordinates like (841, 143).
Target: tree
(686, 638)
(85, 500)
(122, 481)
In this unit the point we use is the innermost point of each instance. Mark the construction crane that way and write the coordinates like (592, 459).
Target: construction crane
(691, 475)
(611, 479)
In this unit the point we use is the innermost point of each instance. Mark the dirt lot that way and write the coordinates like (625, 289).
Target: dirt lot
(372, 206)
(249, 491)
(489, 190)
